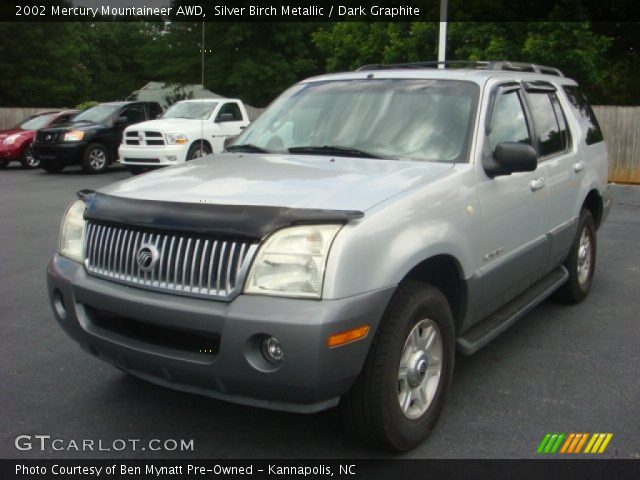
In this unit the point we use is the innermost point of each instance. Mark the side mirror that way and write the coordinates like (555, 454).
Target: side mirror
(225, 117)
(512, 157)
(121, 121)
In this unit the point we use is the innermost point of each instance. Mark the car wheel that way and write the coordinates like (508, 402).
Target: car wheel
(95, 159)
(397, 398)
(53, 167)
(28, 160)
(4, 163)
(581, 261)
(197, 151)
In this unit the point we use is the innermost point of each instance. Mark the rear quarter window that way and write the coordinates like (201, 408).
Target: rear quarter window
(584, 114)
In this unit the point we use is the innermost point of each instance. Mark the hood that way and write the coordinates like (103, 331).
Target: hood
(66, 127)
(293, 181)
(11, 131)
(169, 125)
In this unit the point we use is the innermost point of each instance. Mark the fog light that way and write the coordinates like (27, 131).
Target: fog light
(272, 350)
(171, 158)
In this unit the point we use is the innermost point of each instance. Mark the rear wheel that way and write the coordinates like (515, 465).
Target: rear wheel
(53, 167)
(197, 150)
(95, 159)
(398, 397)
(581, 261)
(28, 160)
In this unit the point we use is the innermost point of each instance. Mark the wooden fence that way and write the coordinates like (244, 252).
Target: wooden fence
(620, 125)
(621, 129)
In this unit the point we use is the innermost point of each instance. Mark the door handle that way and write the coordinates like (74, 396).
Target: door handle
(242, 128)
(578, 166)
(537, 184)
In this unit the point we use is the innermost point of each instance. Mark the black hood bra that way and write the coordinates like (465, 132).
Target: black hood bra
(237, 221)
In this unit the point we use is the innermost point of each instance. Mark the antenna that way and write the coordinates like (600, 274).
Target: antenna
(202, 86)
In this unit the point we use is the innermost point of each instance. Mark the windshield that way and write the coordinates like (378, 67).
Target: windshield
(97, 114)
(191, 110)
(39, 121)
(409, 119)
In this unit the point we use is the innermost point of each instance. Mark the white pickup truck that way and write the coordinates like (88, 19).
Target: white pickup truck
(188, 129)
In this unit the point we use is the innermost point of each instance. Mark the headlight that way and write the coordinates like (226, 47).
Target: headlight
(11, 139)
(176, 138)
(291, 262)
(72, 232)
(74, 136)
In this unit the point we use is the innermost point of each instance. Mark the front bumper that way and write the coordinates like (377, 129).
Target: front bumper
(10, 152)
(65, 153)
(311, 378)
(152, 156)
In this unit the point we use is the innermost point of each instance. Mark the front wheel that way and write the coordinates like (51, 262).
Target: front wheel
(95, 159)
(581, 261)
(28, 160)
(398, 397)
(197, 150)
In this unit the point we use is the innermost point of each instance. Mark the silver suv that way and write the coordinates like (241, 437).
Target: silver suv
(366, 226)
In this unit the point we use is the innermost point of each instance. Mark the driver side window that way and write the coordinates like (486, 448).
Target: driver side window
(508, 123)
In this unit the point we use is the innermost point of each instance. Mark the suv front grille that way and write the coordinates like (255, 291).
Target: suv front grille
(183, 264)
(47, 137)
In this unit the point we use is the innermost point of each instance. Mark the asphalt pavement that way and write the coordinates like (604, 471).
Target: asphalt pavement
(560, 369)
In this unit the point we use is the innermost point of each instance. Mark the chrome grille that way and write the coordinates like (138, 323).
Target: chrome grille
(186, 264)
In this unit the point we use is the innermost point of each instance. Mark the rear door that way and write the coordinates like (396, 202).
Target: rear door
(513, 207)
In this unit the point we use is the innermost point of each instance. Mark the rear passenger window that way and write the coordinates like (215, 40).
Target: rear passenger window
(585, 115)
(549, 121)
(508, 123)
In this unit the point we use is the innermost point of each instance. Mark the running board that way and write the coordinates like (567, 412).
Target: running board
(498, 322)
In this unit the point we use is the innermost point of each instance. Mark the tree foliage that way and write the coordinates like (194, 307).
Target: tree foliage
(64, 64)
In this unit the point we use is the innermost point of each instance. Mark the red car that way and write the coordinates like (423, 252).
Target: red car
(15, 143)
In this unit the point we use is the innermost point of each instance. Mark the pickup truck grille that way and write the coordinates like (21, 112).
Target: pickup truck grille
(134, 137)
(183, 264)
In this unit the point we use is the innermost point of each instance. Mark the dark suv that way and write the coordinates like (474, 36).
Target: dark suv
(92, 138)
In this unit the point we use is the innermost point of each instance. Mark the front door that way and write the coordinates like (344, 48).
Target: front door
(513, 247)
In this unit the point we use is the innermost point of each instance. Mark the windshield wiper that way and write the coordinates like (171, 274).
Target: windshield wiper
(333, 150)
(246, 147)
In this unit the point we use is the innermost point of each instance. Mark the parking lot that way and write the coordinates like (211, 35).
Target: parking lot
(560, 369)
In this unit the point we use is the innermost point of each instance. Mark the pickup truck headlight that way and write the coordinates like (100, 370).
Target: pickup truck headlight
(72, 232)
(74, 136)
(176, 139)
(291, 262)
(11, 139)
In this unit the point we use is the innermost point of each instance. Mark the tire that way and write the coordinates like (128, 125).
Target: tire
(4, 163)
(581, 261)
(95, 159)
(371, 410)
(195, 151)
(28, 160)
(53, 167)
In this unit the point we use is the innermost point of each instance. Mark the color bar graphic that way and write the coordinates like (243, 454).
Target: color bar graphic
(574, 443)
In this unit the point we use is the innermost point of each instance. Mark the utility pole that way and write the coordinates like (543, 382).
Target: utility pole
(442, 41)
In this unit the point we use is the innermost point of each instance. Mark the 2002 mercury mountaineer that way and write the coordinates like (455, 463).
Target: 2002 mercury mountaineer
(338, 252)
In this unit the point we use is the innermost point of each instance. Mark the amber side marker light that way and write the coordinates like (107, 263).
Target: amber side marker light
(348, 336)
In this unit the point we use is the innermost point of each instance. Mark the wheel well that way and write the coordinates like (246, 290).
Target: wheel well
(205, 142)
(593, 203)
(444, 272)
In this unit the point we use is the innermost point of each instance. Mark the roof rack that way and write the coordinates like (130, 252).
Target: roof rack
(481, 65)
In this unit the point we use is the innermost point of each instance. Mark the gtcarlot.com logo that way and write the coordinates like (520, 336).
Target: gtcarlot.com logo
(48, 443)
(574, 443)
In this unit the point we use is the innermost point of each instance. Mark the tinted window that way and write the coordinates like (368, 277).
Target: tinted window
(231, 108)
(154, 110)
(61, 119)
(550, 136)
(585, 115)
(134, 114)
(508, 123)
